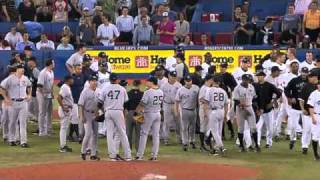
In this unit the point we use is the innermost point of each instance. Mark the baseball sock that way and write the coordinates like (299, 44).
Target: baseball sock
(315, 148)
(76, 130)
(240, 136)
(71, 130)
(230, 127)
(223, 133)
(201, 136)
(255, 138)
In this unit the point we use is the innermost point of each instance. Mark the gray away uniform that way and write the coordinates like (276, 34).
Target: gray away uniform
(113, 97)
(188, 98)
(89, 101)
(151, 100)
(17, 90)
(170, 120)
(44, 97)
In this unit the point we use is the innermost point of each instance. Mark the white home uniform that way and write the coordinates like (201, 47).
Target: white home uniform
(314, 101)
(103, 82)
(205, 67)
(95, 66)
(288, 63)
(306, 64)
(204, 119)
(171, 63)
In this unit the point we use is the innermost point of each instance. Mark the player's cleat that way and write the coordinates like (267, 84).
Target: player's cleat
(25, 145)
(12, 144)
(222, 150)
(120, 158)
(203, 149)
(138, 158)
(317, 158)
(268, 146)
(5, 140)
(153, 159)
(258, 149)
(94, 158)
(251, 149)
(193, 146)
(305, 151)
(276, 138)
(65, 149)
(83, 156)
(214, 152)
(185, 147)
(242, 149)
(291, 145)
(128, 159)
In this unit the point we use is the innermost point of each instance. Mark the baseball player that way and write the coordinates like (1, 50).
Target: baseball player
(307, 89)
(112, 99)
(243, 96)
(170, 89)
(76, 58)
(314, 110)
(196, 76)
(16, 91)
(267, 95)
(216, 99)
(308, 62)
(4, 113)
(102, 57)
(171, 61)
(65, 101)
(88, 102)
(207, 63)
(150, 105)
(291, 54)
(204, 116)
(159, 74)
(86, 70)
(44, 97)
(292, 92)
(186, 104)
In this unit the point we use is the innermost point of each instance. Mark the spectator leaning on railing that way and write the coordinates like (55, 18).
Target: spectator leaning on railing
(21, 45)
(143, 11)
(13, 37)
(311, 22)
(182, 27)
(74, 11)
(143, 33)
(64, 45)
(265, 36)
(45, 44)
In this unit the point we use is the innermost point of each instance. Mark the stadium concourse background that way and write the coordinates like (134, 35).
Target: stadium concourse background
(138, 62)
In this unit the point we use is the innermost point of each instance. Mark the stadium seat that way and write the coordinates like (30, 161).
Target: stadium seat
(264, 8)
(5, 27)
(276, 37)
(197, 38)
(224, 7)
(224, 38)
(214, 28)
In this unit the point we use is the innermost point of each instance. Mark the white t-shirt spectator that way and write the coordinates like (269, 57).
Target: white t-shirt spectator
(65, 47)
(13, 39)
(125, 23)
(48, 45)
(8, 48)
(107, 31)
(301, 6)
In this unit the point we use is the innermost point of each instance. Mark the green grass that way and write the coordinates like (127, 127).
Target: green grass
(277, 164)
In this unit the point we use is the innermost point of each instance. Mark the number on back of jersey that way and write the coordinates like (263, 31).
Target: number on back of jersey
(218, 97)
(157, 100)
(113, 94)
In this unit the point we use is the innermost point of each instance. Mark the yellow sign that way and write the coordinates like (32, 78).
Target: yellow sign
(144, 61)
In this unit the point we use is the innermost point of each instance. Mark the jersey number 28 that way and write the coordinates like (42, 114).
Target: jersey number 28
(113, 94)
(218, 97)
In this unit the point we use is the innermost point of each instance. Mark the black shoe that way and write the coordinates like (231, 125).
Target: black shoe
(258, 149)
(250, 148)
(208, 141)
(232, 136)
(65, 149)
(119, 158)
(305, 151)
(317, 158)
(268, 146)
(138, 158)
(12, 144)
(203, 149)
(5, 140)
(25, 145)
(291, 145)
(222, 150)
(83, 156)
(277, 139)
(94, 158)
(185, 147)
(193, 146)
(242, 149)
(153, 159)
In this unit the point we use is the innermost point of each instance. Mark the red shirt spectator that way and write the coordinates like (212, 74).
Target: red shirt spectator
(166, 30)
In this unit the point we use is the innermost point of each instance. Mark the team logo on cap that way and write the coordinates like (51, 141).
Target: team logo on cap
(248, 57)
(195, 61)
(142, 61)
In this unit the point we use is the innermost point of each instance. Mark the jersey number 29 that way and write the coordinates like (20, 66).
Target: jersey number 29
(157, 100)
(114, 94)
(218, 96)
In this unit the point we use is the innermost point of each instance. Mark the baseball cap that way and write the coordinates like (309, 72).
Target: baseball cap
(180, 56)
(179, 48)
(28, 48)
(93, 78)
(102, 55)
(173, 74)
(86, 57)
(153, 79)
(86, 9)
(165, 14)
(305, 70)
(246, 77)
(198, 68)
(158, 68)
(113, 76)
(123, 82)
(260, 73)
(224, 65)
(245, 60)
(312, 73)
(275, 68)
(187, 78)
(275, 46)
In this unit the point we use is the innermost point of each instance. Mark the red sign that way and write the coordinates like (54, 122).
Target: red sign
(142, 61)
(241, 57)
(195, 61)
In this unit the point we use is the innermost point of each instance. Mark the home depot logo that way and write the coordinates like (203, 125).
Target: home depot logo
(142, 61)
(195, 61)
(241, 57)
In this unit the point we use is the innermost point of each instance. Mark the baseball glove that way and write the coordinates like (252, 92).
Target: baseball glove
(100, 117)
(138, 117)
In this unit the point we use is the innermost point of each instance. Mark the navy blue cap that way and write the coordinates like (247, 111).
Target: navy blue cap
(113, 76)
(305, 70)
(93, 78)
(173, 73)
(28, 48)
(86, 57)
(158, 68)
(260, 73)
(224, 65)
(208, 77)
(246, 77)
(123, 83)
(187, 78)
(245, 60)
(153, 79)
(180, 56)
(102, 55)
(179, 48)
(275, 68)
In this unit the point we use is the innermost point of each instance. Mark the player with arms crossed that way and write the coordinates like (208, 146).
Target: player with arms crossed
(151, 105)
